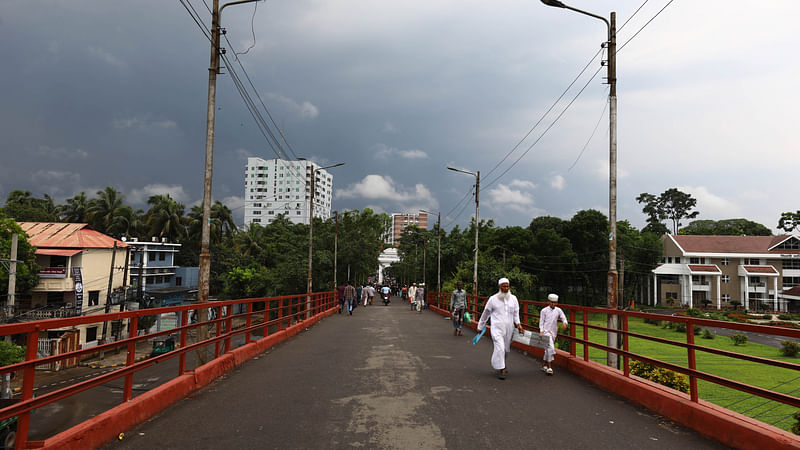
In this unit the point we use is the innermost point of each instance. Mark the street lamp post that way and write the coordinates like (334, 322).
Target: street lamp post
(204, 276)
(477, 224)
(311, 231)
(612, 359)
(438, 249)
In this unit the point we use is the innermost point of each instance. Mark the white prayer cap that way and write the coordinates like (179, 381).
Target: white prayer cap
(552, 298)
(502, 280)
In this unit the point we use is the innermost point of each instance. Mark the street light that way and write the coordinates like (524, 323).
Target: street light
(477, 223)
(438, 249)
(612, 359)
(204, 275)
(311, 232)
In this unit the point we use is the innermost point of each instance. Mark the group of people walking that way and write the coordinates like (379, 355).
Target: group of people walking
(414, 295)
(350, 296)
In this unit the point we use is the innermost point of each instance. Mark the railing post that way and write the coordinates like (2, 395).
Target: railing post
(182, 358)
(24, 419)
(280, 314)
(585, 335)
(133, 326)
(248, 321)
(228, 329)
(572, 346)
(625, 367)
(692, 364)
(219, 331)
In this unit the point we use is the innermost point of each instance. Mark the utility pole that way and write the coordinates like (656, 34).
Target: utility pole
(335, 250)
(12, 274)
(613, 320)
(439, 252)
(108, 296)
(477, 226)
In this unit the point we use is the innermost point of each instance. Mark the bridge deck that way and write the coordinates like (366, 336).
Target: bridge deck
(387, 377)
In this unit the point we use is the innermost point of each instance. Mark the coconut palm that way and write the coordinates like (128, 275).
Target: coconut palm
(129, 222)
(102, 209)
(250, 242)
(75, 210)
(165, 217)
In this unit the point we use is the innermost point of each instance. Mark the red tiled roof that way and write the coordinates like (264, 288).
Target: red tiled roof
(795, 291)
(57, 252)
(66, 235)
(730, 244)
(704, 268)
(760, 269)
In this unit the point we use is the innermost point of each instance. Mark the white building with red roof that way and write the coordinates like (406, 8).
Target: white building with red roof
(76, 266)
(755, 271)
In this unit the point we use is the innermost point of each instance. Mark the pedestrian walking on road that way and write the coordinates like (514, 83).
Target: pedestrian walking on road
(419, 297)
(340, 295)
(503, 310)
(458, 304)
(548, 326)
(349, 297)
(412, 295)
(370, 294)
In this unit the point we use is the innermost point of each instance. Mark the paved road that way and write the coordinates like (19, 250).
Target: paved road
(387, 377)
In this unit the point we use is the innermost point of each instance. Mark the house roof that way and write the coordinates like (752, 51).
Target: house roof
(794, 292)
(57, 251)
(731, 244)
(704, 268)
(66, 235)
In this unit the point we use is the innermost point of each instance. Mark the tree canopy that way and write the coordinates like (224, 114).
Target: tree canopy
(726, 227)
(672, 204)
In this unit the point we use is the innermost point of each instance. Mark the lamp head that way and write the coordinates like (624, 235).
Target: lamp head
(554, 3)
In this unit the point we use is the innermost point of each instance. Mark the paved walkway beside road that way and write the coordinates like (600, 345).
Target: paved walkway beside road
(387, 377)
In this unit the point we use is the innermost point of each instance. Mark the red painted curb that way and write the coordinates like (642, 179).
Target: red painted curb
(107, 426)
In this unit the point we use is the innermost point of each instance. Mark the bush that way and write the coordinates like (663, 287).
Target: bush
(796, 427)
(680, 327)
(739, 339)
(784, 317)
(652, 321)
(789, 348)
(735, 303)
(693, 312)
(705, 302)
(670, 301)
(707, 334)
(660, 375)
(562, 344)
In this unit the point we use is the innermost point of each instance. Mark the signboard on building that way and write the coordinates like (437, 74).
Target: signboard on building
(76, 275)
(53, 272)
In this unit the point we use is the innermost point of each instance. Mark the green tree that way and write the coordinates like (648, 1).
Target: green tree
(11, 354)
(129, 222)
(75, 210)
(165, 218)
(726, 227)
(23, 207)
(102, 210)
(789, 221)
(27, 270)
(672, 204)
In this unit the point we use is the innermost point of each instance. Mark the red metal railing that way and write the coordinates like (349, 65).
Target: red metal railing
(277, 314)
(475, 306)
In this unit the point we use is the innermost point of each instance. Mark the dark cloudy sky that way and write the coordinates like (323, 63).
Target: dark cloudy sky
(99, 93)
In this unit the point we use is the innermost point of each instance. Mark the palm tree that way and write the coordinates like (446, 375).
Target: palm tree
(129, 222)
(249, 243)
(165, 217)
(75, 210)
(102, 210)
(222, 223)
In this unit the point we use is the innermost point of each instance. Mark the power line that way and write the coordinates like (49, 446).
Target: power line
(252, 29)
(645, 25)
(602, 115)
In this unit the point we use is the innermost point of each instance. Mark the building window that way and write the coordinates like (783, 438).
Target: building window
(725, 261)
(790, 282)
(91, 334)
(726, 297)
(94, 298)
(256, 220)
(152, 256)
(755, 281)
(677, 260)
(162, 256)
(695, 261)
(791, 264)
(726, 278)
(752, 261)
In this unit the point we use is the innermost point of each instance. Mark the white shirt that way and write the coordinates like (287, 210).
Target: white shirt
(412, 291)
(503, 312)
(548, 320)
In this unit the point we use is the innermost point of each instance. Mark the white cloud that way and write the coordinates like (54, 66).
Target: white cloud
(522, 184)
(106, 57)
(379, 187)
(305, 109)
(385, 151)
(712, 206)
(140, 196)
(558, 183)
(504, 198)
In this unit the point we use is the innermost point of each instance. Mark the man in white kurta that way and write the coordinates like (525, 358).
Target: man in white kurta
(503, 309)
(548, 326)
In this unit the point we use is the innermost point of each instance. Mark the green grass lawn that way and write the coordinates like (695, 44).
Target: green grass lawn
(777, 379)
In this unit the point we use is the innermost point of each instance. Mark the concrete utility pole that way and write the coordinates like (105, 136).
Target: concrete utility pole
(477, 222)
(204, 276)
(611, 292)
(335, 249)
(108, 297)
(12, 273)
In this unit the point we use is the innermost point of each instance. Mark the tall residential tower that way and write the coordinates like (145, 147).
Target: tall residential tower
(276, 186)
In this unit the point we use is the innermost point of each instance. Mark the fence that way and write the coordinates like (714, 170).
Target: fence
(260, 315)
(583, 320)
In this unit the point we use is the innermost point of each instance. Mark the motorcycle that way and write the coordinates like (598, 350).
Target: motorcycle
(386, 298)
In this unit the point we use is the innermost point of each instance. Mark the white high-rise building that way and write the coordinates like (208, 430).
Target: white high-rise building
(276, 186)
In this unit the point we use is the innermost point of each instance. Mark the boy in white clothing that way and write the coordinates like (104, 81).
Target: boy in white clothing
(548, 326)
